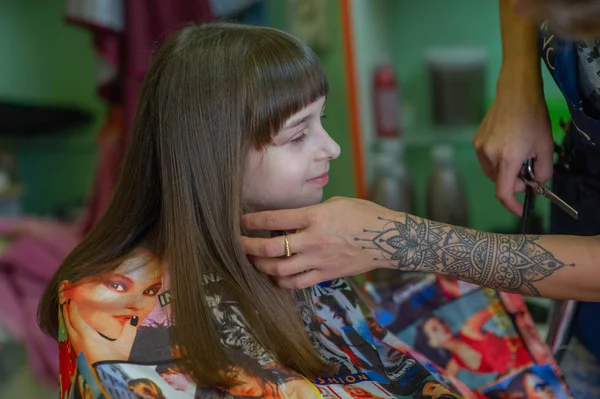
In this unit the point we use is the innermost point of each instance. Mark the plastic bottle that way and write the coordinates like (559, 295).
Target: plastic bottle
(393, 187)
(386, 101)
(447, 200)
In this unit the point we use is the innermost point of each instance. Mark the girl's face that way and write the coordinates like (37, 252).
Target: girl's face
(437, 331)
(536, 388)
(292, 171)
(126, 295)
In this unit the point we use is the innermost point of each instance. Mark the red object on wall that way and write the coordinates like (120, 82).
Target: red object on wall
(386, 101)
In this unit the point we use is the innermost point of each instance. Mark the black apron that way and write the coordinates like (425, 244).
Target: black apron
(577, 171)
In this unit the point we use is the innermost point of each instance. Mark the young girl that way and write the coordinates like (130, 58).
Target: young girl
(229, 120)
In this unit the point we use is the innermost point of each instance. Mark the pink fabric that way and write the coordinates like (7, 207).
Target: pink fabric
(26, 266)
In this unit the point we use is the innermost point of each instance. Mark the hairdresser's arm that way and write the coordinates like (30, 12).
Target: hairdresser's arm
(516, 126)
(343, 237)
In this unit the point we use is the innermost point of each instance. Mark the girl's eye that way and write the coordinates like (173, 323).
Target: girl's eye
(323, 116)
(299, 139)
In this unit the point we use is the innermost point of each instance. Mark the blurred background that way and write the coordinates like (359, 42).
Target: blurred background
(410, 82)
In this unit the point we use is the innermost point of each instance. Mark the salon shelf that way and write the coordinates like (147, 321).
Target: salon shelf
(429, 136)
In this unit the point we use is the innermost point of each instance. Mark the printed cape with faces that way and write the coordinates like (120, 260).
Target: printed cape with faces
(114, 343)
(484, 338)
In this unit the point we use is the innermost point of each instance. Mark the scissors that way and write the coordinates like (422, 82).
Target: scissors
(538, 188)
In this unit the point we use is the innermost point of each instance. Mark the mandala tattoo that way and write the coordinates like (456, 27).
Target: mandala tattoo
(510, 263)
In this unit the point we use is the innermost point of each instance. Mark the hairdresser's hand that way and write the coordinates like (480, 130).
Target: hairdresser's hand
(329, 241)
(516, 127)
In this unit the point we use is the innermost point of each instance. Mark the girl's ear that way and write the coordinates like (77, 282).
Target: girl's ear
(64, 291)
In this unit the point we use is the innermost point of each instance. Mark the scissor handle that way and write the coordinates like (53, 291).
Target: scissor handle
(527, 170)
(533, 185)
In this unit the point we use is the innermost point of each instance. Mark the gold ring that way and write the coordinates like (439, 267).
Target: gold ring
(286, 241)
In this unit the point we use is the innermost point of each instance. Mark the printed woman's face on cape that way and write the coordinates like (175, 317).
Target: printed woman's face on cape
(437, 332)
(434, 390)
(109, 301)
(333, 318)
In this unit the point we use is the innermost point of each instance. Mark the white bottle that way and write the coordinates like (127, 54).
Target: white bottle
(392, 187)
(447, 200)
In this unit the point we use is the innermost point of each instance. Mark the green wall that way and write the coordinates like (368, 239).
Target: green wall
(48, 62)
(413, 27)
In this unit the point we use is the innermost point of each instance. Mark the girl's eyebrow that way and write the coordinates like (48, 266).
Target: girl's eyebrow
(296, 122)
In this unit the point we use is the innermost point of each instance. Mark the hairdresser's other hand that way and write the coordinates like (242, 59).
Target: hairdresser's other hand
(327, 243)
(516, 127)
(571, 19)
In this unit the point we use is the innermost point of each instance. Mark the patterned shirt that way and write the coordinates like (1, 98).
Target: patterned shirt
(115, 344)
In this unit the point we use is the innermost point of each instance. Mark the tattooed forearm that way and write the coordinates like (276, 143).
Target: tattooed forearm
(499, 261)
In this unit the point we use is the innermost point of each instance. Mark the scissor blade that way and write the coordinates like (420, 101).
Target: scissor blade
(560, 203)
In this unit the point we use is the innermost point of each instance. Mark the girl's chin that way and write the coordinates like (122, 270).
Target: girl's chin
(298, 202)
(292, 204)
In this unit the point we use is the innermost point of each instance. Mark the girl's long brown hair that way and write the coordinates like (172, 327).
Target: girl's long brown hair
(213, 93)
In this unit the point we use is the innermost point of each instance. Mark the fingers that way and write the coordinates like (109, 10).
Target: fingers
(506, 181)
(544, 165)
(519, 186)
(296, 272)
(74, 323)
(130, 329)
(488, 168)
(273, 247)
(264, 247)
(77, 329)
(302, 280)
(121, 349)
(281, 267)
(285, 219)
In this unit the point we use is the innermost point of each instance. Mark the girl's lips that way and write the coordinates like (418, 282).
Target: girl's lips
(320, 180)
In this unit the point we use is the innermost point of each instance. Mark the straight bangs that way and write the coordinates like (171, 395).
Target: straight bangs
(285, 76)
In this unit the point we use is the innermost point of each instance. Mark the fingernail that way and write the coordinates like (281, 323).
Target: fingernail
(134, 321)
